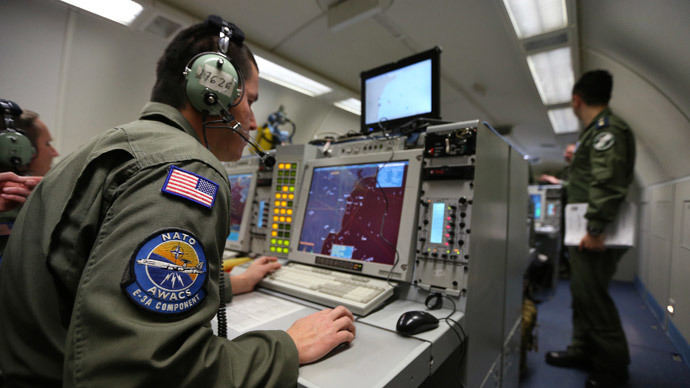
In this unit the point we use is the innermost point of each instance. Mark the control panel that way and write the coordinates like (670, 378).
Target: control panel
(285, 186)
(445, 209)
(363, 146)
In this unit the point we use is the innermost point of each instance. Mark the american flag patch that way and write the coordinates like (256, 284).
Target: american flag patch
(188, 185)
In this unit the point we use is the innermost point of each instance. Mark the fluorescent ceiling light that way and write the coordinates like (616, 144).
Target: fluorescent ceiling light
(121, 11)
(553, 74)
(288, 78)
(535, 17)
(563, 120)
(352, 105)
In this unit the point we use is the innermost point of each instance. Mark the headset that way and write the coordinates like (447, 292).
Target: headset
(16, 150)
(213, 84)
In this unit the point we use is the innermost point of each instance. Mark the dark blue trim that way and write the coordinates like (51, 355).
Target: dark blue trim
(672, 332)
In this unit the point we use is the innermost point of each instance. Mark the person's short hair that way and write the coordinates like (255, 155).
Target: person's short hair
(170, 86)
(27, 123)
(594, 87)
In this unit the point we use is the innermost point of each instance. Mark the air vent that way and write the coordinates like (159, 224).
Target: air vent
(162, 27)
(547, 41)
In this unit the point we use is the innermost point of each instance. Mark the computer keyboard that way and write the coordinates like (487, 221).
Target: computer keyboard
(359, 294)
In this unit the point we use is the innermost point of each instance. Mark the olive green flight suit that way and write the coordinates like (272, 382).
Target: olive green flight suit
(601, 171)
(64, 317)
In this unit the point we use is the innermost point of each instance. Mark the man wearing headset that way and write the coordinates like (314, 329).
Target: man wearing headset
(118, 281)
(14, 189)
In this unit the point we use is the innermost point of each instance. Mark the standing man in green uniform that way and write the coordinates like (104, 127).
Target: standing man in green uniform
(111, 275)
(600, 175)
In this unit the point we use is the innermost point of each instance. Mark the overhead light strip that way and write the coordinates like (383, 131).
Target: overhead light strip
(121, 11)
(563, 120)
(553, 74)
(351, 105)
(536, 17)
(285, 77)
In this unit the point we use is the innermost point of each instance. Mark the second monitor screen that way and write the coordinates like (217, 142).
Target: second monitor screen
(239, 189)
(353, 211)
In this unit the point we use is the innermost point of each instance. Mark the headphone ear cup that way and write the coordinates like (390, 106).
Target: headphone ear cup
(434, 301)
(213, 82)
(16, 149)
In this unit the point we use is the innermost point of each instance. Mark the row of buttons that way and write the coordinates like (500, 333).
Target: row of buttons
(283, 208)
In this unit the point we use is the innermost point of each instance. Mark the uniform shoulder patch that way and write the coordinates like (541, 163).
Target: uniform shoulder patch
(603, 141)
(603, 122)
(193, 187)
(167, 273)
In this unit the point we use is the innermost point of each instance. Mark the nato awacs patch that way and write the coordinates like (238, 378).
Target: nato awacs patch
(167, 273)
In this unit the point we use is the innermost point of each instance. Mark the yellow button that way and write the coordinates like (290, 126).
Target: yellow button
(275, 218)
(277, 195)
(284, 203)
(281, 166)
(275, 226)
(287, 166)
(289, 211)
(285, 196)
(276, 203)
(291, 196)
(288, 219)
(274, 233)
(282, 219)
(276, 210)
(285, 188)
(282, 211)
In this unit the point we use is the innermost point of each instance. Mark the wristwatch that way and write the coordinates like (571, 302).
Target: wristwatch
(594, 231)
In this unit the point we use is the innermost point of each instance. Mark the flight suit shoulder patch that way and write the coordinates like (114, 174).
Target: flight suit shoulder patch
(603, 141)
(167, 273)
(603, 122)
(188, 185)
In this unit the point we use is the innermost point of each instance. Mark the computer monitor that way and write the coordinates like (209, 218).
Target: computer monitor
(538, 205)
(242, 190)
(358, 214)
(396, 93)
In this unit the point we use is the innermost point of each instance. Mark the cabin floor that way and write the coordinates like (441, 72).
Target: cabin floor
(655, 361)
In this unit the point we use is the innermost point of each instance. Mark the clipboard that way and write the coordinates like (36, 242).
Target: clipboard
(618, 234)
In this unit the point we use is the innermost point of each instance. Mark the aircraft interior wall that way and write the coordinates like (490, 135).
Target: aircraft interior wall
(83, 74)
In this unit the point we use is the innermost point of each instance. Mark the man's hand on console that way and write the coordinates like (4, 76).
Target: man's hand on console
(247, 280)
(319, 333)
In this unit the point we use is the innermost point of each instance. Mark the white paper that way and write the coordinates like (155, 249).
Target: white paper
(619, 233)
(248, 311)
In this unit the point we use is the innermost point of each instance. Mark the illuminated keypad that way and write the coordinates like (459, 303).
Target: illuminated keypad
(283, 207)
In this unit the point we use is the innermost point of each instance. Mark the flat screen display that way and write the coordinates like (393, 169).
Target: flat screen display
(396, 93)
(353, 211)
(536, 202)
(239, 190)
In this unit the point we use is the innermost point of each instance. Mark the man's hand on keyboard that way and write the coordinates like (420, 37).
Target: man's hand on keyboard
(247, 280)
(317, 334)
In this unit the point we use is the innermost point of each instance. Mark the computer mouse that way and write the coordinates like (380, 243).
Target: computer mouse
(413, 322)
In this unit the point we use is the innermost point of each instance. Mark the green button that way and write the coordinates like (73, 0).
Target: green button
(292, 188)
(273, 241)
(286, 242)
(287, 227)
(292, 181)
(272, 249)
(287, 234)
(293, 173)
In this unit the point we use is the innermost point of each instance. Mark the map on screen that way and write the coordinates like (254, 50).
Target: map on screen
(349, 206)
(239, 189)
(400, 93)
